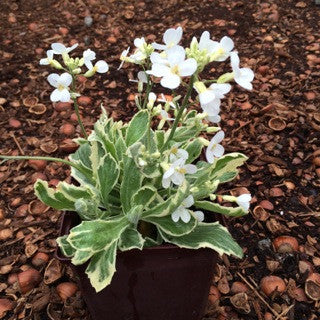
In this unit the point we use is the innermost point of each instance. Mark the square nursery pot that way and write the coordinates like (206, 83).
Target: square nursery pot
(157, 283)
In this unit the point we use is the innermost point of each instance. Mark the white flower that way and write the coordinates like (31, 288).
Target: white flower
(221, 50)
(100, 66)
(244, 201)
(215, 149)
(165, 116)
(161, 58)
(176, 172)
(139, 43)
(48, 59)
(142, 77)
(242, 76)
(88, 55)
(61, 83)
(123, 57)
(177, 67)
(169, 102)
(171, 38)
(216, 91)
(199, 215)
(181, 212)
(212, 109)
(59, 48)
(206, 43)
(175, 153)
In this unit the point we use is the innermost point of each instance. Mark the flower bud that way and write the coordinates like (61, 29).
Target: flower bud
(90, 73)
(229, 198)
(56, 64)
(76, 71)
(194, 190)
(204, 141)
(140, 86)
(200, 86)
(227, 77)
(213, 129)
(212, 197)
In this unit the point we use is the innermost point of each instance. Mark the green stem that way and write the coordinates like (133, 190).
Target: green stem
(180, 112)
(77, 167)
(149, 87)
(76, 107)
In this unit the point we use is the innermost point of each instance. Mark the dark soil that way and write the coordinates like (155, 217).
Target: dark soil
(279, 40)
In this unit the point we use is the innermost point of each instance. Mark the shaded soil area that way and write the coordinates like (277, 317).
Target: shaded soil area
(277, 125)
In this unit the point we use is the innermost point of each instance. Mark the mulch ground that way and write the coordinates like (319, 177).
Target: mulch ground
(277, 125)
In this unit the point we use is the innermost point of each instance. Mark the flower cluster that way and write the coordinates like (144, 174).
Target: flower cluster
(72, 69)
(173, 64)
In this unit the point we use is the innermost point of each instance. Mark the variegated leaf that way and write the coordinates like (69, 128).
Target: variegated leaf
(130, 239)
(102, 267)
(215, 207)
(208, 235)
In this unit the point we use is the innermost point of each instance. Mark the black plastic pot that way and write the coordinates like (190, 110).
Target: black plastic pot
(158, 283)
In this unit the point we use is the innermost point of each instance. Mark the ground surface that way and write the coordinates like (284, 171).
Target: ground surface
(280, 40)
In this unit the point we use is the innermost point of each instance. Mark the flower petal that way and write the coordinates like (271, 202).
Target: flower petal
(244, 83)
(58, 48)
(190, 168)
(168, 173)
(65, 79)
(177, 178)
(172, 36)
(176, 55)
(166, 183)
(142, 77)
(64, 95)
(185, 216)
(187, 67)
(218, 151)
(158, 46)
(212, 108)
(227, 43)
(206, 97)
(88, 64)
(171, 81)
(53, 79)
(235, 61)
(72, 47)
(209, 155)
(176, 215)
(214, 119)
(102, 66)
(219, 136)
(220, 89)
(188, 201)
(55, 95)
(44, 61)
(159, 70)
(199, 215)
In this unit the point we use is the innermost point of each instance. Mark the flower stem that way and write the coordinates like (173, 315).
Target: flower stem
(76, 107)
(180, 112)
(77, 167)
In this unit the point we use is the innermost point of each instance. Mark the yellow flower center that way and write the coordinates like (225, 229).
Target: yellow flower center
(174, 150)
(175, 69)
(213, 146)
(182, 170)
(61, 87)
(221, 51)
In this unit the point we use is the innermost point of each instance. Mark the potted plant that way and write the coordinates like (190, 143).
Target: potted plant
(141, 217)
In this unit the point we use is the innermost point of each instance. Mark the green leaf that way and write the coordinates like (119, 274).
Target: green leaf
(102, 267)
(81, 256)
(49, 196)
(130, 239)
(65, 246)
(222, 167)
(183, 134)
(131, 183)
(215, 207)
(194, 149)
(82, 155)
(160, 138)
(138, 127)
(208, 235)
(144, 196)
(107, 176)
(88, 209)
(97, 235)
(168, 206)
(172, 228)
